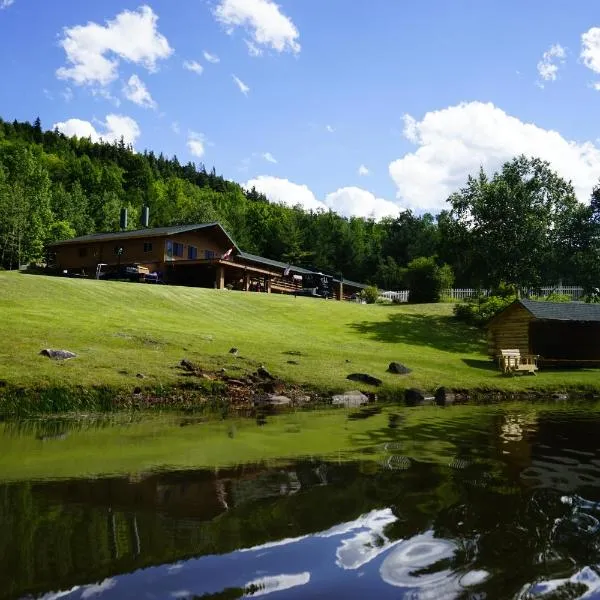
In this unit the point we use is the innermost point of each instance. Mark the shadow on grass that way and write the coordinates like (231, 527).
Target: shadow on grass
(439, 332)
(485, 365)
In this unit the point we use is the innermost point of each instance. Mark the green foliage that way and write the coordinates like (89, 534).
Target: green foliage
(370, 294)
(481, 310)
(555, 297)
(426, 280)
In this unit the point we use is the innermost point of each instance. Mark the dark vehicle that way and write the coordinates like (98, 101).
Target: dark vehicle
(317, 285)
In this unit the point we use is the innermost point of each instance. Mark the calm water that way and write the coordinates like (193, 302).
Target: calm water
(483, 503)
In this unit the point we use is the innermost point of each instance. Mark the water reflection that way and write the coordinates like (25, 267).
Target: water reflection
(512, 511)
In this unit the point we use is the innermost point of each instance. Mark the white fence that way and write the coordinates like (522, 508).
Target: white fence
(575, 292)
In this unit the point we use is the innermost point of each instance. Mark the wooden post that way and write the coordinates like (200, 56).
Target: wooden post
(268, 282)
(340, 291)
(246, 281)
(220, 277)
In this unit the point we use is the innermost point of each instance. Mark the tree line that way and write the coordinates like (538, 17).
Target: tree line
(522, 226)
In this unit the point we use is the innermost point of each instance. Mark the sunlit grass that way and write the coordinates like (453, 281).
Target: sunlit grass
(119, 330)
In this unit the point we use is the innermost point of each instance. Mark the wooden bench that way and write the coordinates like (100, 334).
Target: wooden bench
(512, 361)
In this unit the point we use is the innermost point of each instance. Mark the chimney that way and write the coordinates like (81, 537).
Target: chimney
(123, 219)
(145, 216)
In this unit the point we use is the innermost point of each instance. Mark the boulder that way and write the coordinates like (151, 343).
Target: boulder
(444, 397)
(364, 378)
(398, 369)
(277, 400)
(351, 399)
(272, 387)
(233, 351)
(415, 397)
(188, 365)
(58, 354)
(264, 374)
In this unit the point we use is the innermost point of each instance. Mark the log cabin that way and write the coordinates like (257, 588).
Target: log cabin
(202, 255)
(560, 333)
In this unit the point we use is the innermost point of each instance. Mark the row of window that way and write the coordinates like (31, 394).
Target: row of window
(173, 249)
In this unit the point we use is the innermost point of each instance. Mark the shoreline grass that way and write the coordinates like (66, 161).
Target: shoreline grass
(129, 336)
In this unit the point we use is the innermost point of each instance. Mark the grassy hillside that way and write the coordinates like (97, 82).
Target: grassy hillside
(121, 329)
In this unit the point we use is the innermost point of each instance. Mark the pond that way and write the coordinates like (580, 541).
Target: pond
(466, 503)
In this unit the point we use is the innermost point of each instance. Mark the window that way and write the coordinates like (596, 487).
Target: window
(209, 254)
(82, 252)
(192, 252)
(169, 249)
(147, 246)
(177, 249)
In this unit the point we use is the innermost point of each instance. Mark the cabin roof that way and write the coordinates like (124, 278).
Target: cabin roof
(272, 263)
(137, 233)
(556, 311)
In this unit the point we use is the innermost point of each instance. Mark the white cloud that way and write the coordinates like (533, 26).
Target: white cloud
(354, 201)
(6, 3)
(455, 141)
(67, 94)
(329, 128)
(94, 51)
(264, 21)
(349, 201)
(551, 60)
(363, 171)
(286, 192)
(243, 87)
(48, 94)
(194, 66)
(175, 127)
(269, 157)
(590, 50)
(136, 91)
(195, 144)
(253, 49)
(211, 58)
(115, 127)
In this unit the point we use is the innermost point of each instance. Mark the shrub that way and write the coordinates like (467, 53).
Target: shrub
(426, 279)
(555, 297)
(370, 294)
(481, 310)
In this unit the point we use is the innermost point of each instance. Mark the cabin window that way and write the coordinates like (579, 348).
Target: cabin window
(209, 254)
(169, 249)
(82, 252)
(178, 249)
(192, 252)
(147, 246)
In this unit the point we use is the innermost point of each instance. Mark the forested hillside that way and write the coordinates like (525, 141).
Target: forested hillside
(523, 225)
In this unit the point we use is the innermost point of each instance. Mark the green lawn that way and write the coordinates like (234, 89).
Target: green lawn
(121, 329)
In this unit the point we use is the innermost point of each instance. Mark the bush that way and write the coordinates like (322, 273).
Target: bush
(481, 310)
(426, 280)
(555, 297)
(370, 294)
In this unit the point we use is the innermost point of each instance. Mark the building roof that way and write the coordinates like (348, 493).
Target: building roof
(273, 263)
(138, 233)
(562, 311)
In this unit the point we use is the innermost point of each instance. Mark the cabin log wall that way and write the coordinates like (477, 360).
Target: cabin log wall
(510, 330)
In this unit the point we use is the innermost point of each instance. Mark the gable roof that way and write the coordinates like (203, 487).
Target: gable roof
(562, 311)
(555, 311)
(142, 233)
(272, 263)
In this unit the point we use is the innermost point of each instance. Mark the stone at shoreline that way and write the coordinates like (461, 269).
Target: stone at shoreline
(415, 397)
(276, 400)
(272, 387)
(264, 374)
(364, 378)
(351, 399)
(58, 354)
(233, 351)
(444, 397)
(188, 365)
(398, 369)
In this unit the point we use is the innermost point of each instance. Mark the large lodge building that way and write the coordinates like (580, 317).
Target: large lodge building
(194, 255)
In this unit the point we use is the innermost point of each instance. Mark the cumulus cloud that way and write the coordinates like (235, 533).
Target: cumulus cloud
(193, 66)
(329, 129)
(551, 60)
(6, 3)
(286, 192)
(455, 141)
(363, 171)
(348, 201)
(175, 128)
(356, 202)
(253, 49)
(264, 22)
(590, 50)
(243, 87)
(136, 91)
(269, 157)
(211, 58)
(195, 144)
(94, 51)
(113, 129)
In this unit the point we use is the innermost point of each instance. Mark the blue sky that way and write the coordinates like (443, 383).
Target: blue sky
(417, 93)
